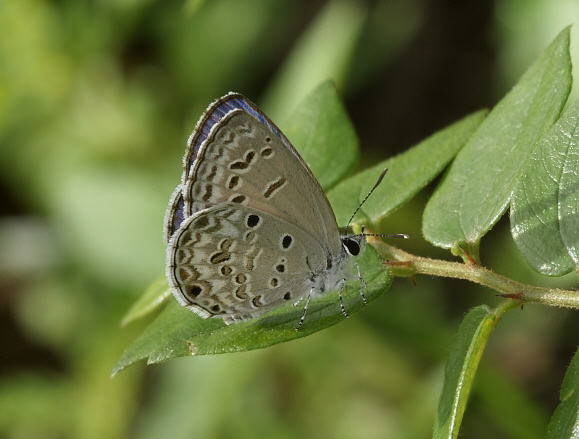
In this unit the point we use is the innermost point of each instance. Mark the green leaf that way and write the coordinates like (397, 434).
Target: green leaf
(465, 354)
(407, 173)
(565, 420)
(322, 132)
(178, 332)
(477, 189)
(545, 205)
(153, 298)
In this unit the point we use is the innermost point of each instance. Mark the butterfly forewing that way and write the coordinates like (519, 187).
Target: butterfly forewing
(236, 154)
(213, 116)
(242, 162)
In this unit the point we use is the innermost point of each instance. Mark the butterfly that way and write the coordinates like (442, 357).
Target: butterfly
(249, 228)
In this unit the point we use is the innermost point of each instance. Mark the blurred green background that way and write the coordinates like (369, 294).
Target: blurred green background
(97, 99)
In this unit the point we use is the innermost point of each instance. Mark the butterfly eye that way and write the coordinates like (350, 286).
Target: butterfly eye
(351, 246)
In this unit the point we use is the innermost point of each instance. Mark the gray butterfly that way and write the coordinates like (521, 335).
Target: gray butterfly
(249, 228)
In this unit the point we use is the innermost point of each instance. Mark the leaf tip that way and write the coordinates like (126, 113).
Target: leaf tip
(116, 369)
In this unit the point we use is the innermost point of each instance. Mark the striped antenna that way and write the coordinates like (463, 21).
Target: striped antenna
(366, 197)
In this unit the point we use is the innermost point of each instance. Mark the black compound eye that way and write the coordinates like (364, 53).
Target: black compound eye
(351, 246)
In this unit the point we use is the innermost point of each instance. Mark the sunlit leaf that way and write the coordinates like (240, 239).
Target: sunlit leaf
(178, 332)
(460, 371)
(545, 205)
(321, 130)
(477, 189)
(152, 298)
(565, 420)
(407, 173)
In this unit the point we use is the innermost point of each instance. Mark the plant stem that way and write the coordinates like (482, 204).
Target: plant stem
(401, 263)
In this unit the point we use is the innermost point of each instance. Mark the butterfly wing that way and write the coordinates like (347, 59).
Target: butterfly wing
(239, 262)
(175, 214)
(237, 155)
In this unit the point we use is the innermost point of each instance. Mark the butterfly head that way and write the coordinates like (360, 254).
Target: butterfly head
(353, 245)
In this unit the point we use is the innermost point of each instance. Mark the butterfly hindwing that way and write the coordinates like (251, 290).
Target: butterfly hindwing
(240, 262)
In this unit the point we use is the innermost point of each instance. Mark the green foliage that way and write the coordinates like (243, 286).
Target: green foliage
(473, 195)
(316, 127)
(177, 332)
(96, 103)
(407, 174)
(321, 122)
(478, 187)
(544, 220)
(153, 297)
(461, 367)
(564, 421)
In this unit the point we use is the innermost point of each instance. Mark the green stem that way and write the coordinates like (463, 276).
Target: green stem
(406, 264)
(502, 309)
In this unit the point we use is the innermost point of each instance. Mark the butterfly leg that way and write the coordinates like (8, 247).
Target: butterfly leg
(342, 287)
(362, 285)
(305, 309)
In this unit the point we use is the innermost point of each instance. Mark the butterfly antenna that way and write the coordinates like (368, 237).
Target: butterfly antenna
(396, 235)
(366, 197)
